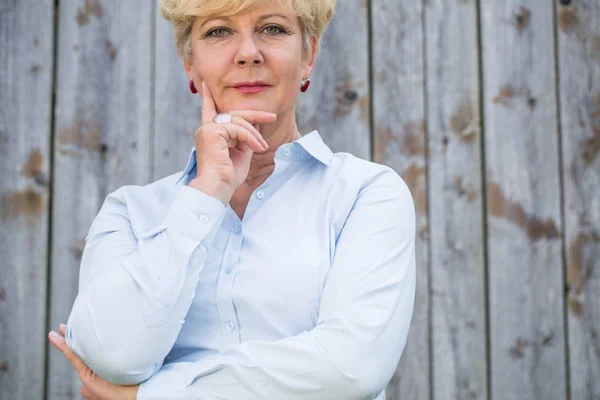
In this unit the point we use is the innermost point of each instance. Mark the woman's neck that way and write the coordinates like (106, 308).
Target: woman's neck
(283, 131)
(262, 165)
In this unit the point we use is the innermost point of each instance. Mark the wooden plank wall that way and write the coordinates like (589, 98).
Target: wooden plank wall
(399, 140)
(26, 55)
(489, 109)
(102, 138)
(458, 303)
(526, 302)
(578, 30)
(338, 102)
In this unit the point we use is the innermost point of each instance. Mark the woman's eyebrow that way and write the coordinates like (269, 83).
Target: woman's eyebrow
(266, 16)
(225, 19)
(261, 18)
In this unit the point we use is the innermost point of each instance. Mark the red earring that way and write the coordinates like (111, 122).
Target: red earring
(305, 85)
(193, 87)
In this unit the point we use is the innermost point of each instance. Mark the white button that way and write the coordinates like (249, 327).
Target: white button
(228, 270)
(286, 151)
(203, 218)
(260, 194)
(230, 326)
(238, 230)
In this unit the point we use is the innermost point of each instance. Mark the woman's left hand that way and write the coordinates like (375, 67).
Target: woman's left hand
(94, 387)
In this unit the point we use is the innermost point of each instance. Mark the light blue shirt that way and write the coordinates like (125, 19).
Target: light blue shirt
(310, 296)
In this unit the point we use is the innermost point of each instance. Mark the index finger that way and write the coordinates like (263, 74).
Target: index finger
(209, 110)
(255, 117)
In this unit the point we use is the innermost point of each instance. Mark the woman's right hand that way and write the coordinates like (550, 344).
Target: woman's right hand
(224, 150)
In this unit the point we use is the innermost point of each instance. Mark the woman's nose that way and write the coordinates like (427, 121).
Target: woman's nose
(249, 53)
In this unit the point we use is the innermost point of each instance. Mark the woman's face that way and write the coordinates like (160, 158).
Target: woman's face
(264, 45)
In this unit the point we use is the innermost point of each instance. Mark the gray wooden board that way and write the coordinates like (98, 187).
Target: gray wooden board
(338, 101)
(102, 130)
(458, 327)
(578, 29)
(26, 42)
(399, 142)
(177, 113)
(527, 340)
(106, 113)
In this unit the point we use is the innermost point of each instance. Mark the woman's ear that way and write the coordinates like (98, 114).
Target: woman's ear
(190, 73)
(310, 57)
(188, 69)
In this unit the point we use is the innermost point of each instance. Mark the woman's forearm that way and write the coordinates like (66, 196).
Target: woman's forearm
(136, 291)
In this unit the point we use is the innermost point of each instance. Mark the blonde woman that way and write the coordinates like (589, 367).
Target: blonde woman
(269, 268)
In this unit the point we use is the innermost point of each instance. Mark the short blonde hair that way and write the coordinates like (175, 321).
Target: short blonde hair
(313, 15)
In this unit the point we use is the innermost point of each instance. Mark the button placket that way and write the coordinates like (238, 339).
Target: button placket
(238, 229)
(225, 306)
(229, 263)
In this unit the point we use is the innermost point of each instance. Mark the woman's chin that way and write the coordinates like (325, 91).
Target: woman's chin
(252, 104)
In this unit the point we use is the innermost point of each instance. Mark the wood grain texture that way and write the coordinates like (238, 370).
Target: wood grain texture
(578, 28)
(458, 307)
(523, 201)
(337, 103)
(112, 128)
(102, 130)
(399, 141)
(177, 112)
(26, 43)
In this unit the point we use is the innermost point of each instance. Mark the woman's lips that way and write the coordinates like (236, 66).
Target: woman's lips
(251, 88)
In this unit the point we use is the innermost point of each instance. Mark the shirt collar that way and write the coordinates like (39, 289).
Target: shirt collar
(314, 146)
(308, 146)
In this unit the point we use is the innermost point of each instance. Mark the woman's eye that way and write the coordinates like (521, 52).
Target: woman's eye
(274, 30)
(217, 32)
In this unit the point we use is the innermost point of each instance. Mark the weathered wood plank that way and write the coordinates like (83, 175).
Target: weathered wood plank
(338, 101)
(579, 71)
(177, 113)
(399, 141)
(102, 127)
(26, 46)
(458, 307)
(523, 201)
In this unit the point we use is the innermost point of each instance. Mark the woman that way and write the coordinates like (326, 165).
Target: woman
(270, 268)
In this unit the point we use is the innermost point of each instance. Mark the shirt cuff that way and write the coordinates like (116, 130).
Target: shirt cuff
(193, 213)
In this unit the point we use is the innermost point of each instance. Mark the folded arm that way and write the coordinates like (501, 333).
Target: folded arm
(363, 322)
(134, 292)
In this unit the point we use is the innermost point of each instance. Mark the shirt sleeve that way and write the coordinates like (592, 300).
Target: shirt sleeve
(364, 317)
(134, 292)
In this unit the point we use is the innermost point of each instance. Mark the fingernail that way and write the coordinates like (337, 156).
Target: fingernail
(53, 334)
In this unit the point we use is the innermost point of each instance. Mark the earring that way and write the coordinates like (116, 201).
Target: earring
(193, 87)
(305, 85)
